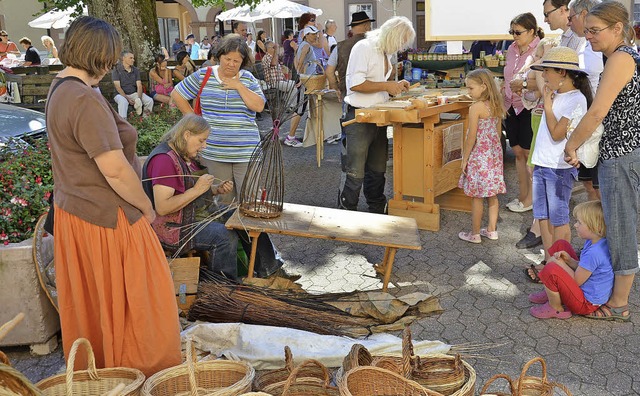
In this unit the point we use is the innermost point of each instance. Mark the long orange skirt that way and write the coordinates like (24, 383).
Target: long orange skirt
(115, 289)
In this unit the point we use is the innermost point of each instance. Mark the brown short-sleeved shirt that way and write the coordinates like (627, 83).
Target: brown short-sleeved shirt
(82, 125)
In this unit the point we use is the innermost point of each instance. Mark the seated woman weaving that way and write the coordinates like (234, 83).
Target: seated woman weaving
(185, 204)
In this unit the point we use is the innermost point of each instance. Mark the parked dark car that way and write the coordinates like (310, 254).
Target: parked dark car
(20, 123)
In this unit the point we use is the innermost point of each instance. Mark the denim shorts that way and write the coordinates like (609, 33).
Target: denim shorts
(551, 193)
(619, 186)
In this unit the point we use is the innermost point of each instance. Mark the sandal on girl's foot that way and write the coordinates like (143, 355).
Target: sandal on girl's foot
(607, 312)
(540, 297)
(546, 311)
(493, 235)
(469, 237)
(532, 274)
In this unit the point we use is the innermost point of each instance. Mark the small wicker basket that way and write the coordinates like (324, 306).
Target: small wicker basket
(528, 385)
(297, 385)
(281, 375)
(214, 377)
(91, 382)
(512, 387)
(314, 82)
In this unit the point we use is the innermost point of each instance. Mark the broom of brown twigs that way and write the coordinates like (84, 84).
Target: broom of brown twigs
(223, 301)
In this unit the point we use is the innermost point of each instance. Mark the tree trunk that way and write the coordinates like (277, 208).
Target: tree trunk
(137, 23)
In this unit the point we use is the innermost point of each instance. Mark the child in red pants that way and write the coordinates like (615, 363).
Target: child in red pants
(580, 285)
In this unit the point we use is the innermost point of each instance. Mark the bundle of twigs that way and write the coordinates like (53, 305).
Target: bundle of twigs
(223, 301)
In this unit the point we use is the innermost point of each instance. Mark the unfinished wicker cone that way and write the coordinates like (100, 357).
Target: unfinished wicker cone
(297, 385)
(485, 388)
(210, 378)
(537, 386)
(91, 382)
(368, 381)
(281, 375)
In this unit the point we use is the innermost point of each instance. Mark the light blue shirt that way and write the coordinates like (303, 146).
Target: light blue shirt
(596, 259)
(195, 51)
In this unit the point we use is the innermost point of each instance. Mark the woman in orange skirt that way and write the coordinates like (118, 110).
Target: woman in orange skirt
(113, 281)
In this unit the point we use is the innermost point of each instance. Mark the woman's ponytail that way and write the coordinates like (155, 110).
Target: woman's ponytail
(540, 33)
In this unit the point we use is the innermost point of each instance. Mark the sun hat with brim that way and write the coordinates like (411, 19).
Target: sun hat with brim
(559, 58)
(309, 30)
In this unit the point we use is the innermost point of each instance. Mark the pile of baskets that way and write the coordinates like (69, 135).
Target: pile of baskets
(434, 375)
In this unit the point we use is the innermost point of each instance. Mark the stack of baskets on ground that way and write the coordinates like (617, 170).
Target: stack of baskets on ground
(310, 378)
(433, 375)
(526, 384)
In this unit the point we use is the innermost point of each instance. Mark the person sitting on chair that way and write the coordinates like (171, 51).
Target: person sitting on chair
(126, 79)
(186, 204)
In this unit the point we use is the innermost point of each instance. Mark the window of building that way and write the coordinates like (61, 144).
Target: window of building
(369, 8)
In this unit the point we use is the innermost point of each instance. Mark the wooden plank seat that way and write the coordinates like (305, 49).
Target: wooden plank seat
(390, 232)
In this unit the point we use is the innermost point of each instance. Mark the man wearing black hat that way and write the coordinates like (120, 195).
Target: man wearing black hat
(360, 24)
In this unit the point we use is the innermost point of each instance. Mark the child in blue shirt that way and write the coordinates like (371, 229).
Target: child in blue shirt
(580, 285)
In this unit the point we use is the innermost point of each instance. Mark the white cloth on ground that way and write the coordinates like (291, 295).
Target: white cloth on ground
(263, 346)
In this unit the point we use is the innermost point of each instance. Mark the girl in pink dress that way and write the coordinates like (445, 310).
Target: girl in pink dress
(482, 154)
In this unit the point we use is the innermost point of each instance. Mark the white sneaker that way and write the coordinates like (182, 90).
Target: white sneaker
(333, 139)
(519, 207)
(513, 202)
(292, 142)
(137, 104)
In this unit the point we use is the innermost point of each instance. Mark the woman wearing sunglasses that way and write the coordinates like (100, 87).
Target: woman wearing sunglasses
(616, 104)
(526, 36)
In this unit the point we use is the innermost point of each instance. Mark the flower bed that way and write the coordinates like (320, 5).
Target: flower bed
(152, 128)
(26, 180)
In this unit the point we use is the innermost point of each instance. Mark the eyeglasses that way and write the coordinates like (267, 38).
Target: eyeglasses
(312, 20)
(4, 35)
(596, 31)
(570, 17)
(516, 33)
(546, 14)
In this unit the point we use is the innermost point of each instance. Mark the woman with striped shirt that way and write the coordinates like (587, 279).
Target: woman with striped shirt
(230, 99)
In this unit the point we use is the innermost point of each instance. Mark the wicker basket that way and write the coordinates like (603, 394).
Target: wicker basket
(512, 387)
(528, 385)
(91, 382)
(297, 385)
(211, 378)
(281, 375)
(368, 381)
(314, 82)
(358, 356)
(14, 383)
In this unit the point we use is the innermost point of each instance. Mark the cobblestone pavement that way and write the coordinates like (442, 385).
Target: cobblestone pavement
(481, 287)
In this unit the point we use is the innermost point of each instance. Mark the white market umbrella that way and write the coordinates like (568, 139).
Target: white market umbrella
(242, 14)
(284, 9)
(55, 19)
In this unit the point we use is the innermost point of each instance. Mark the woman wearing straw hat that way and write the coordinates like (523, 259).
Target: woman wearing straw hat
(616, 104)
(566, 88)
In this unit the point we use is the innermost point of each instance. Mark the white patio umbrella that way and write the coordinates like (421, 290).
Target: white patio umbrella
(55, 19)
(267, 9)
(243, 14)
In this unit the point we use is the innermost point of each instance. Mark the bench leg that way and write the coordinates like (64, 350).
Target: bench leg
(380, 268)
(254, 248)
(389, 255)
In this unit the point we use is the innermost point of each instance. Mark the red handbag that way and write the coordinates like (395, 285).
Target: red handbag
(197, 108)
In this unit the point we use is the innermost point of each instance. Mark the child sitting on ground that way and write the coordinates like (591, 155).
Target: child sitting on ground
(580, 285)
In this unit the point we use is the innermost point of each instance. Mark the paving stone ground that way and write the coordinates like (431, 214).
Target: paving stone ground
(482, 289)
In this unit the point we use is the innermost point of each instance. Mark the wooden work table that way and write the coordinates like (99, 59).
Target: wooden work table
(390, 232)
(423, 179)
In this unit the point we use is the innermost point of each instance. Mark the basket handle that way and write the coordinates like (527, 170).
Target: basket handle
(91, 363)
(491, 380)
(288, 358)
(407, 352)
(7, 327)
(561, 387)
(526, 367)
(191, 367)
(294, 374)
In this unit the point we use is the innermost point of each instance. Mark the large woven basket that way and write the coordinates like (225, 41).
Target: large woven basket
(369, 380)
(211, 378)
(528, 385)
(281, 375)
(297, 385)
(314, 82)
(91, 382)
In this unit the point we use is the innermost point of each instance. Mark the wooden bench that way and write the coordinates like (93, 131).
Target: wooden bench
(391, 232)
